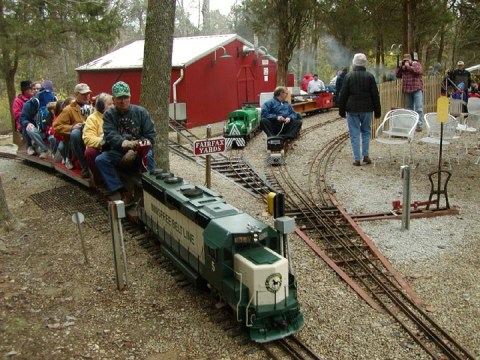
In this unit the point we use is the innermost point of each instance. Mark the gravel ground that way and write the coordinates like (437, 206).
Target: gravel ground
(55, 307)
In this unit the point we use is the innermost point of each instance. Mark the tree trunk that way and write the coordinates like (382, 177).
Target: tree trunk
(6, 217)
(157, 71)
(9, 62)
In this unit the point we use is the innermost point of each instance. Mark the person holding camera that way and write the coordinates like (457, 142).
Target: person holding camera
(70, 123)
(411, 72)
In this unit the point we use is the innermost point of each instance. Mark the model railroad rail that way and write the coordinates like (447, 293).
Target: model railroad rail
(231, 166)
(243, 174)
(307, 130)
(341, 244)
(290, 346)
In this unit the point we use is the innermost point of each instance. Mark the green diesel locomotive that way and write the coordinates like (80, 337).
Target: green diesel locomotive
(241, 126)
(236, 254)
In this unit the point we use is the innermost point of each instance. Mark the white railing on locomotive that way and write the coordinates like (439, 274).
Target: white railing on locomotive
(240, 275)
(256, 309)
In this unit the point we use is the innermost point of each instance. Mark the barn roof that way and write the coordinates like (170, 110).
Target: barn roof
(186, 50)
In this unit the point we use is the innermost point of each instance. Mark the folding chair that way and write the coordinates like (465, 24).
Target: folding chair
(397, 128)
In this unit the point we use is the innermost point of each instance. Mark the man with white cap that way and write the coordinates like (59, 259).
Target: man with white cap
(461, 76)
(411, 72)
(69, 124)
(359, 98)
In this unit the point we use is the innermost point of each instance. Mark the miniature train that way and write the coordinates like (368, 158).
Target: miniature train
(241, 126)
(213, 242)
(236, 254)
(313, 103)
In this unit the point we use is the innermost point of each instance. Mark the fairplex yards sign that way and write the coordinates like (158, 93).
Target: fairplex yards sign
(209, 146)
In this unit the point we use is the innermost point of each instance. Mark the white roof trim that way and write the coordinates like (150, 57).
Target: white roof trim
(186, 50)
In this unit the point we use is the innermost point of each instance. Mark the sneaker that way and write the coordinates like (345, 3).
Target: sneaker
(44, 155)
(68, 164)
(356, 163)
(367, 160)
(85, 173)
(57, 157)
(31, 150)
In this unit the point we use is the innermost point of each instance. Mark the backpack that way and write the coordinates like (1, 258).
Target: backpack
(43, 117)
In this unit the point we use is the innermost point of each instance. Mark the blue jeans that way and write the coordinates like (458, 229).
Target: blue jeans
(64, 149)
(414, 101)
(26, 137)
(107, 163)
(359, 124)
(37, 137)
(78, 147)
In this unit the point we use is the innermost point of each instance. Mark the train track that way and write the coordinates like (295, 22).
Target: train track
(290, 346)
(232, 166)
(337, 239)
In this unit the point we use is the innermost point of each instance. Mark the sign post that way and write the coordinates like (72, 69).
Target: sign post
(442, 116)
(207, 147)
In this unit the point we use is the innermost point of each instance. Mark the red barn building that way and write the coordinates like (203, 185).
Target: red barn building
(211, 75)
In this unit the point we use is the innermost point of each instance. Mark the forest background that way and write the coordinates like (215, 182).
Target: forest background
(48, 39)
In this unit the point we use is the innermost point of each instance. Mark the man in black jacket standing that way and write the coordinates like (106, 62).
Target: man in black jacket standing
(358, 99)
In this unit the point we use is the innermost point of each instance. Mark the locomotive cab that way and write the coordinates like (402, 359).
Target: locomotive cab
(241, 126)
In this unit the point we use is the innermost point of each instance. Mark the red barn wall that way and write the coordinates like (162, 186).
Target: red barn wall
(211, 89)
(102, 81)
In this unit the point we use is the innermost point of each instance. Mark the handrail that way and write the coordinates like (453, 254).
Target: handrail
(240, 298)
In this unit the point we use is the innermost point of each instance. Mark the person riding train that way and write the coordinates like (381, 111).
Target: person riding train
(124, 127)
(278, 116)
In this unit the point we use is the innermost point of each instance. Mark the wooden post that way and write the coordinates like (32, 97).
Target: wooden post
(116, 211)
(208, 167)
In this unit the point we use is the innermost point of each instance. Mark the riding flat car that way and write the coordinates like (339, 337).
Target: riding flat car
(313, 103)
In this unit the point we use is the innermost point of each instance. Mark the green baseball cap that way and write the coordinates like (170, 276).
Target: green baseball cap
(120, 89)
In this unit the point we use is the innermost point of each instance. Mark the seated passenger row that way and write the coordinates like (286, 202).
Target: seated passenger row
(99, 141)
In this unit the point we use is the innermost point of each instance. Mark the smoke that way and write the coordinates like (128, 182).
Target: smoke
(337, 55)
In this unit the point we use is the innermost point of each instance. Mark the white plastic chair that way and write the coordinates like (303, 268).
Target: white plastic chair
(397, 128)
(468, 122)
(434, 132)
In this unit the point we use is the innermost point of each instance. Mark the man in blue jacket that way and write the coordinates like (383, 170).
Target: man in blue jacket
(278, 116)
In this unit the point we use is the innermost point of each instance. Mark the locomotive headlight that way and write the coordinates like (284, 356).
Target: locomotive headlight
(242, 239)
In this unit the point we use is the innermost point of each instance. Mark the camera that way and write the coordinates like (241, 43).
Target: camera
(87, 110)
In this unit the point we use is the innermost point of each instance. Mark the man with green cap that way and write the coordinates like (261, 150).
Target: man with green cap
(124, 127)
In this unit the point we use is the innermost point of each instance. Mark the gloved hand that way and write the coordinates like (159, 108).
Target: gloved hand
(30, 127)
(129, 144)
(128, 159)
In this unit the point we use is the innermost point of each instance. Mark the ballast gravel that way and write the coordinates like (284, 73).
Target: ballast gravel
(54, 306)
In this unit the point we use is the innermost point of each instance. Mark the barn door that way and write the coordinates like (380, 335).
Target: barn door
(245, 85)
